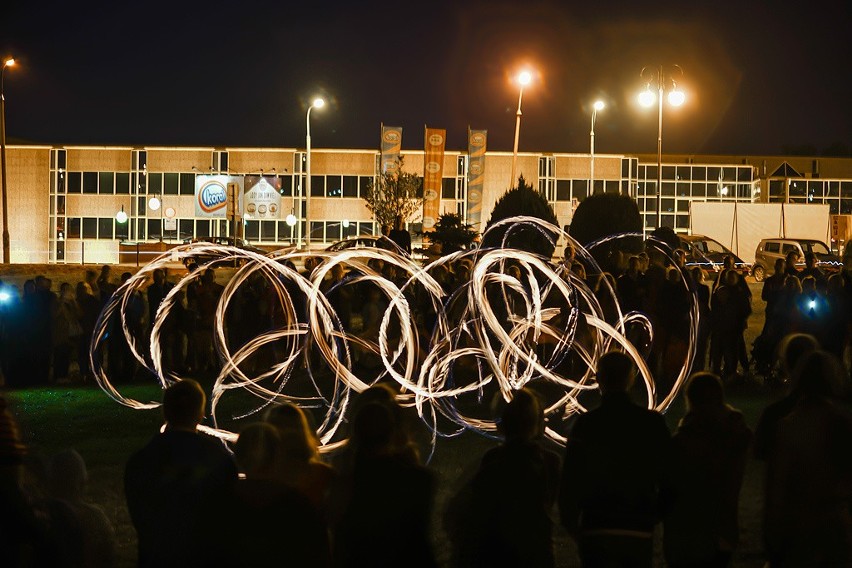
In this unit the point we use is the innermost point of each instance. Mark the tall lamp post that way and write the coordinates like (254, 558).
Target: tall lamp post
(6, 249)
(318, 103)
(599, 105)
(647, 98)
(524, 78)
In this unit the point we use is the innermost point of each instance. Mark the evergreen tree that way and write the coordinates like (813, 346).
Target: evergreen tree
(522, 200)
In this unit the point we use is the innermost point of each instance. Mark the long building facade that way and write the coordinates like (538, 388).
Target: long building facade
(64, 201)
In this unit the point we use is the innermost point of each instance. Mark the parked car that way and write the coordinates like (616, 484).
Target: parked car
(224, 241)
(710, 255)
(770, 250)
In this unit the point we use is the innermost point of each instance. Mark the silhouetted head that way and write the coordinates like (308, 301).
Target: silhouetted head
(298, 439)
(523, 417)
(615, 372)
(705, 391)
(793, 348)
(258, 451)
(373, 428)
(810, 259)
(779, 265)
(819, 374)
(183, 405)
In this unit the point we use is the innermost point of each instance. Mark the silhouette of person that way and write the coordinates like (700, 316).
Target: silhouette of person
(172, 483)
(615, 458)
(708, 462)
(808, 501)
(271, 523)
(380, 525)
(503, 517)
(67, 479)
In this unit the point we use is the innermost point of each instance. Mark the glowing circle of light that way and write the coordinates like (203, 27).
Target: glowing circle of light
(154, 203)
(518, 322)
(290, 220)
(647, 98)
(524, 78)
(676, 98)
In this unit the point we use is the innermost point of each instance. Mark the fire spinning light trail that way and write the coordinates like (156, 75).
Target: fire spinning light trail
(519, 321)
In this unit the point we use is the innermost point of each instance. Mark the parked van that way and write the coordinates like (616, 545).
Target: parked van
(770, 250)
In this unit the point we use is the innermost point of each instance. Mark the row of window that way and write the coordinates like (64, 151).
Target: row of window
(107, 228)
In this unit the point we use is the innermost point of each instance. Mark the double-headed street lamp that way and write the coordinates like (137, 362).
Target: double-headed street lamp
(6, 249)
(524, 78)
(318, 103)
(647, 98)
(599, 105)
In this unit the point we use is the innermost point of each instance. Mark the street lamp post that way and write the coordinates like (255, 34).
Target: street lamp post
(599, 105)
(524, 79)
(318, 103)
(647, 99)
(6, 249)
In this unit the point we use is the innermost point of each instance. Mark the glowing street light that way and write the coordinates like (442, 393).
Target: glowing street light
(647, 98)
(317, 103)
(599, 105)
(524, 78)
(9, 62)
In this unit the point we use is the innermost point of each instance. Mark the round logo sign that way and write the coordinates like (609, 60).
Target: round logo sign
(430, 194)
(391, 136)
(474, 196)
(477, 139)
(436, 140)
(428, 222)
(169, 212)
(476, 168)
(433, 167)
(212, 197)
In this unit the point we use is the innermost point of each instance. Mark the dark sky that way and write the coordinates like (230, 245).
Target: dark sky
(761, 77)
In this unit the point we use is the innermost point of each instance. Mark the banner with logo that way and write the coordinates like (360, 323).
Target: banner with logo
(262, 199)
(215, 195)
(391, 146)
(433, 169)
(476, 141)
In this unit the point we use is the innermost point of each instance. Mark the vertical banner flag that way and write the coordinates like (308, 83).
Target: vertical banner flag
(262, 199)
(475, 174)
(211, 195)
(391, 146)
(433, 169)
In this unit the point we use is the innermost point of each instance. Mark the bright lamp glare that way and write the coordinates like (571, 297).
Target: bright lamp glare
(318, 103)
(121, 217)
(345, 223)
(5, 296)
(647, 98)
(676, 98)
(9, 62)
(599, 105)
(524, 78)
(812, 304)
(154, 203)
(291, 220)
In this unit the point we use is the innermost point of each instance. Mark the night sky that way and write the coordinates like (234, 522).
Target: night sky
(766, 77)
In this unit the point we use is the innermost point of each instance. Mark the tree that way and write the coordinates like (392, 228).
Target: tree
(605, 214)
(522, 200)
(395, 194)
(451, 233)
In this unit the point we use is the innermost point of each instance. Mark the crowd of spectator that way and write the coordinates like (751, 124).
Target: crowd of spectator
(271, 497)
